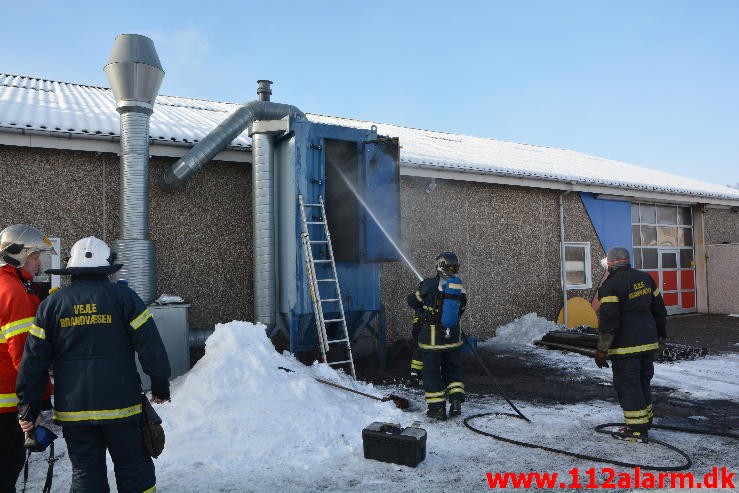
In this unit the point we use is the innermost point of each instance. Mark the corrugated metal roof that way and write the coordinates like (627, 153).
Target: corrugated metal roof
(80, 110)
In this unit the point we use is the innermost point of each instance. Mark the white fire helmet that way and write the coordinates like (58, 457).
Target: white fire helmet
(19, 241)
(89, 252)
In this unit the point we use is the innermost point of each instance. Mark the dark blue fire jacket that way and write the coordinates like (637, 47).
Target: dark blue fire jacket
(432, 336)
(632, 310)
(89, 331)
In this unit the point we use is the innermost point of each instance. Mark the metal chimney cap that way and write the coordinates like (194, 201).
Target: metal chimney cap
(264, 91)
(134, 71)
(134, 48)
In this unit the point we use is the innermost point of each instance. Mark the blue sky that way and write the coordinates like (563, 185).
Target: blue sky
(650, 82)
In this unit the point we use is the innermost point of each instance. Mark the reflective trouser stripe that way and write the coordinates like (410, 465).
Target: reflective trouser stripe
(153, 489)
(609, 299)
(435, 397)
(8, 400)
(416, 364)
(634, 349)
(637, 417)
(97, 415)
(650, 411)
(455, 388)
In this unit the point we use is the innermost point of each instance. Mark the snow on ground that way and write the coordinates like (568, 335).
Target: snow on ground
(238, 423)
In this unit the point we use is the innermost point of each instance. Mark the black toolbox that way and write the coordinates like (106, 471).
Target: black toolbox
(388, 442)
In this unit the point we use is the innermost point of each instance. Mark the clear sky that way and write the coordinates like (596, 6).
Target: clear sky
(647, 82)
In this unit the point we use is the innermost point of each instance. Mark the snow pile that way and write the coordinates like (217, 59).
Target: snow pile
(521, 332)
(237, 407)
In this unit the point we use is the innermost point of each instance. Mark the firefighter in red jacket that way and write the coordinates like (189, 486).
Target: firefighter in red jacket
(20, 252)
(632, 323)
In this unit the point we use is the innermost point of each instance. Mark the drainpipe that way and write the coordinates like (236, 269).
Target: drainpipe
(562, 270)
(263, 201)
(135, 75)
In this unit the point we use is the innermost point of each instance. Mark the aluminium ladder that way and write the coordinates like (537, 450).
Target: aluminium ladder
(333, 281)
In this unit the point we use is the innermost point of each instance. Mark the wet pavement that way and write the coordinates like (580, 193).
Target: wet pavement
(528, 379)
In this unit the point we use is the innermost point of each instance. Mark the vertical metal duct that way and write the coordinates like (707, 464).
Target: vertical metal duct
(263, 205)
(135, 75)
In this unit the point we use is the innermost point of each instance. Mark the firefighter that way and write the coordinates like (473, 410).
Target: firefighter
(20, 259)
(89, 330)
(441, 300)
(632, 323)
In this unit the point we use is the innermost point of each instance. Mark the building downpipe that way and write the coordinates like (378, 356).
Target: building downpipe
(135, 75)
(263, 201)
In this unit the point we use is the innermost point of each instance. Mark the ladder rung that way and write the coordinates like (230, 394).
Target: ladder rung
(325, 280)
(311, 205)
(336, 341)
(339, 362)
(319, 241)
(321, 261)
(315, 222)
(334, 320)
(332, 300)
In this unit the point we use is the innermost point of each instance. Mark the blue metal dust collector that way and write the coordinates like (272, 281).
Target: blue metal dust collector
(329, 161)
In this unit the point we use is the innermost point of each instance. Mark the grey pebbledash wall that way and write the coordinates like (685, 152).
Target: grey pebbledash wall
(202, 233)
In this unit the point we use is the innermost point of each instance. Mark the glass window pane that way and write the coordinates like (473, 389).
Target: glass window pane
(636, 260)
(647, 214)
(649, 235)
(666, 236)
(575, 253)
(634, 213)
(684, 216)
(575, 278)
(666, 214)
(685, 237)
(649, 258)
(686, 259)
(669, 260)
(635, 236)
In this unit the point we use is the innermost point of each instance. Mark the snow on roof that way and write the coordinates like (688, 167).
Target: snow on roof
(85, 111)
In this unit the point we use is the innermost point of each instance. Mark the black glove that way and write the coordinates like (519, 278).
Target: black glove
(600, 359)
(26, 412)
(160, 388)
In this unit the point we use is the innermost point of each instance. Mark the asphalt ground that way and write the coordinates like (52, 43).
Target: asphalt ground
(525, 379)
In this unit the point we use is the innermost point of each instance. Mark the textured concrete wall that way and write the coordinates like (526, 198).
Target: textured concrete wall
(722, 226)
(507, 239)
(202, 233)
(723, 268)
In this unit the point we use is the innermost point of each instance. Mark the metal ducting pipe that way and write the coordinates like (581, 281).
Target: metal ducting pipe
(135, 75)
(265, 295)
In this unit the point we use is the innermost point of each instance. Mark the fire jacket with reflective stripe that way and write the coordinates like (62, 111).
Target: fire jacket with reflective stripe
(17, 310)
(90, 330)
(632, 310)
(432, 336)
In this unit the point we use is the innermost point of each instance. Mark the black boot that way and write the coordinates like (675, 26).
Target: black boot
(455, 408)
(438, 413)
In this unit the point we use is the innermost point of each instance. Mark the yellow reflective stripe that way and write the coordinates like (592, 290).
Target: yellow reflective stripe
(433, 335)
(609, 299)
(455, 384)
(416, 365)
(434, 400)
(456, 390)
(443, 346)
(454, 285)
(636, 414)
(37, 331)
(634, 349)
(139, 321)
(434, 394)
(636, 421)
(97, 415)
(418, 296)
(655, 292)
(18, 327)
(153, 489)
(8, 400)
